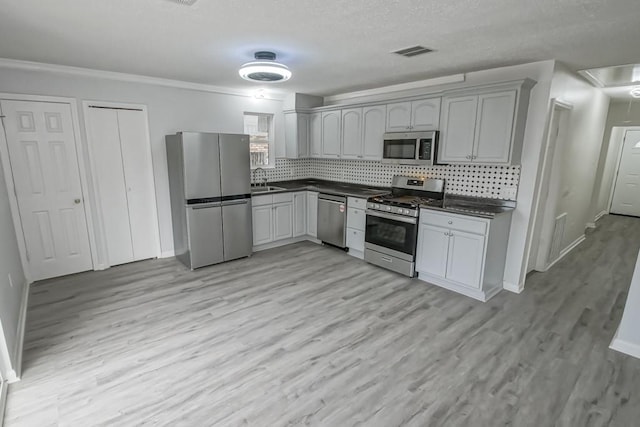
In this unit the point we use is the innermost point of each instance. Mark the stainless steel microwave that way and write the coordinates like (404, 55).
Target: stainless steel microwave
(410, 148)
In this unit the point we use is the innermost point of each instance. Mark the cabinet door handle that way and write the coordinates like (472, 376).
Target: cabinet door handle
(468, 157)
(450, 222)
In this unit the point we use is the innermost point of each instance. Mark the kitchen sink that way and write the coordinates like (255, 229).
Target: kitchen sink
(266, 189)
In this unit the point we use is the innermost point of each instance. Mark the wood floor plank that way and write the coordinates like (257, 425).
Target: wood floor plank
(306, 335)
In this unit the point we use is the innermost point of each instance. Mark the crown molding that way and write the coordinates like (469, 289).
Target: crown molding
(456, 78)
(130, 78)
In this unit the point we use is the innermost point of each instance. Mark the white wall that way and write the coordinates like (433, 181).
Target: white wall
(581, 151)
(627, 339)
(170, 110)
(10, 295)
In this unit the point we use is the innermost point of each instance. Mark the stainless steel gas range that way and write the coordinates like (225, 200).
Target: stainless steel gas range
(392, 222)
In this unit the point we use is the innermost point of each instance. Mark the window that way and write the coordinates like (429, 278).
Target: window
(260, 129)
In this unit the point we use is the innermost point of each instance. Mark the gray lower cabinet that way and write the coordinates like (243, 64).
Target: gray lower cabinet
(312, 213)
(272, 218)
(356, 224)
(463, 253)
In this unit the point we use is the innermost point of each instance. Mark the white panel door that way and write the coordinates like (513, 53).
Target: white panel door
(465, 259)
(626, 195)
(312, 213)
(352, 133)
(331, 134)
(106, 152)
(494, 127)
(398, 117)
(458, 129)
(315, 135)
(373, 129)
(140, 189)
(433, 247)
(299, 214)
(44, 163)
(283, 221)
(425, 114)
(262, 223)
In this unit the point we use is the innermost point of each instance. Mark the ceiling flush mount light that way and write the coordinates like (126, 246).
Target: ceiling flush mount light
(635, 92)
(264, 69)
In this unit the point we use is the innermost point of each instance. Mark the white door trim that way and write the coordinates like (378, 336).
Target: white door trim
(8, 174)
(618, 159)
(544, 173)
(95, 187)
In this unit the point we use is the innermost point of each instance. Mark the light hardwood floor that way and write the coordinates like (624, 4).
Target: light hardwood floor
(306, 335)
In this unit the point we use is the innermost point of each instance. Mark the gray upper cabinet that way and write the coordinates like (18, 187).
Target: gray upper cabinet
(315, 135)
(458, 130)
(425, 114)
(485, 126)
(494, 126)
(412, 116)
(399, 117)
(331, 133)
(362, 132)
(296, 135)
(373, 128)
(352, 133)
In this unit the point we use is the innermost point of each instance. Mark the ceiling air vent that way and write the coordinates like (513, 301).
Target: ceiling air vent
(184, 2)
(413, 51)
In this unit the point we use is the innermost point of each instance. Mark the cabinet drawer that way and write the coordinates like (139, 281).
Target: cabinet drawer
(283, 197)
(355, 239)
(262, 200)
(356, 219)
(354, 202)
(456, 222)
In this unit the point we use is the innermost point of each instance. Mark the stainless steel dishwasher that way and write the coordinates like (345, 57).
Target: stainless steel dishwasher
(332, 219)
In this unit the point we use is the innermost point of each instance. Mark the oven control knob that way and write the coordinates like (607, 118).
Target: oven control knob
(377, 206)
(389, 208)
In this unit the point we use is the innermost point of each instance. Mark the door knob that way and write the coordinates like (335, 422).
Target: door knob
(77, 201)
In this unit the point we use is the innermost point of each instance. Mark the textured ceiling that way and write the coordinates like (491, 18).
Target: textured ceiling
(332, 46)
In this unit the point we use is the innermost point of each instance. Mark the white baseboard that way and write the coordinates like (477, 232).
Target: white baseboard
(284, 242)
(3, 400)
(625, 347)
(168, 254)
(566, 250)
(600, 215)
(590, 225)
(22, 324)
(512, 287)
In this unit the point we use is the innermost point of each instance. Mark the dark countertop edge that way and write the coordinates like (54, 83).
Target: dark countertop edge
(359, 190)
(479, 214)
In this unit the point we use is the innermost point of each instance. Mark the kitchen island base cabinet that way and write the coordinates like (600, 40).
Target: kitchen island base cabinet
(462, 253)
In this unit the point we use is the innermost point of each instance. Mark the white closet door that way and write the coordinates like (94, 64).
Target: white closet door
(138, 176)
(112, 194)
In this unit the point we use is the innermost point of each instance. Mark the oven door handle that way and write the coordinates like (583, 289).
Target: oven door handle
(392, 217)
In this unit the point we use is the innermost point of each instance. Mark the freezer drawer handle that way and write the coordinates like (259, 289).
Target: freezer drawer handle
(235, 202)
(206, 206)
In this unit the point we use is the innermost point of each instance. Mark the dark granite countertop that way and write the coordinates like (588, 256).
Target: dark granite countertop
(328, 187)
(464, 205)
(473, 206)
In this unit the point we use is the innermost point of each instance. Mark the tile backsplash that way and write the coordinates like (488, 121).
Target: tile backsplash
(496, 182)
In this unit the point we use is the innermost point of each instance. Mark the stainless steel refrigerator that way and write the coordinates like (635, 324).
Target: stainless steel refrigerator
(210, 186)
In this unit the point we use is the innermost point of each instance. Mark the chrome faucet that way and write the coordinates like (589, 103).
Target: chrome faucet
(264, 178)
